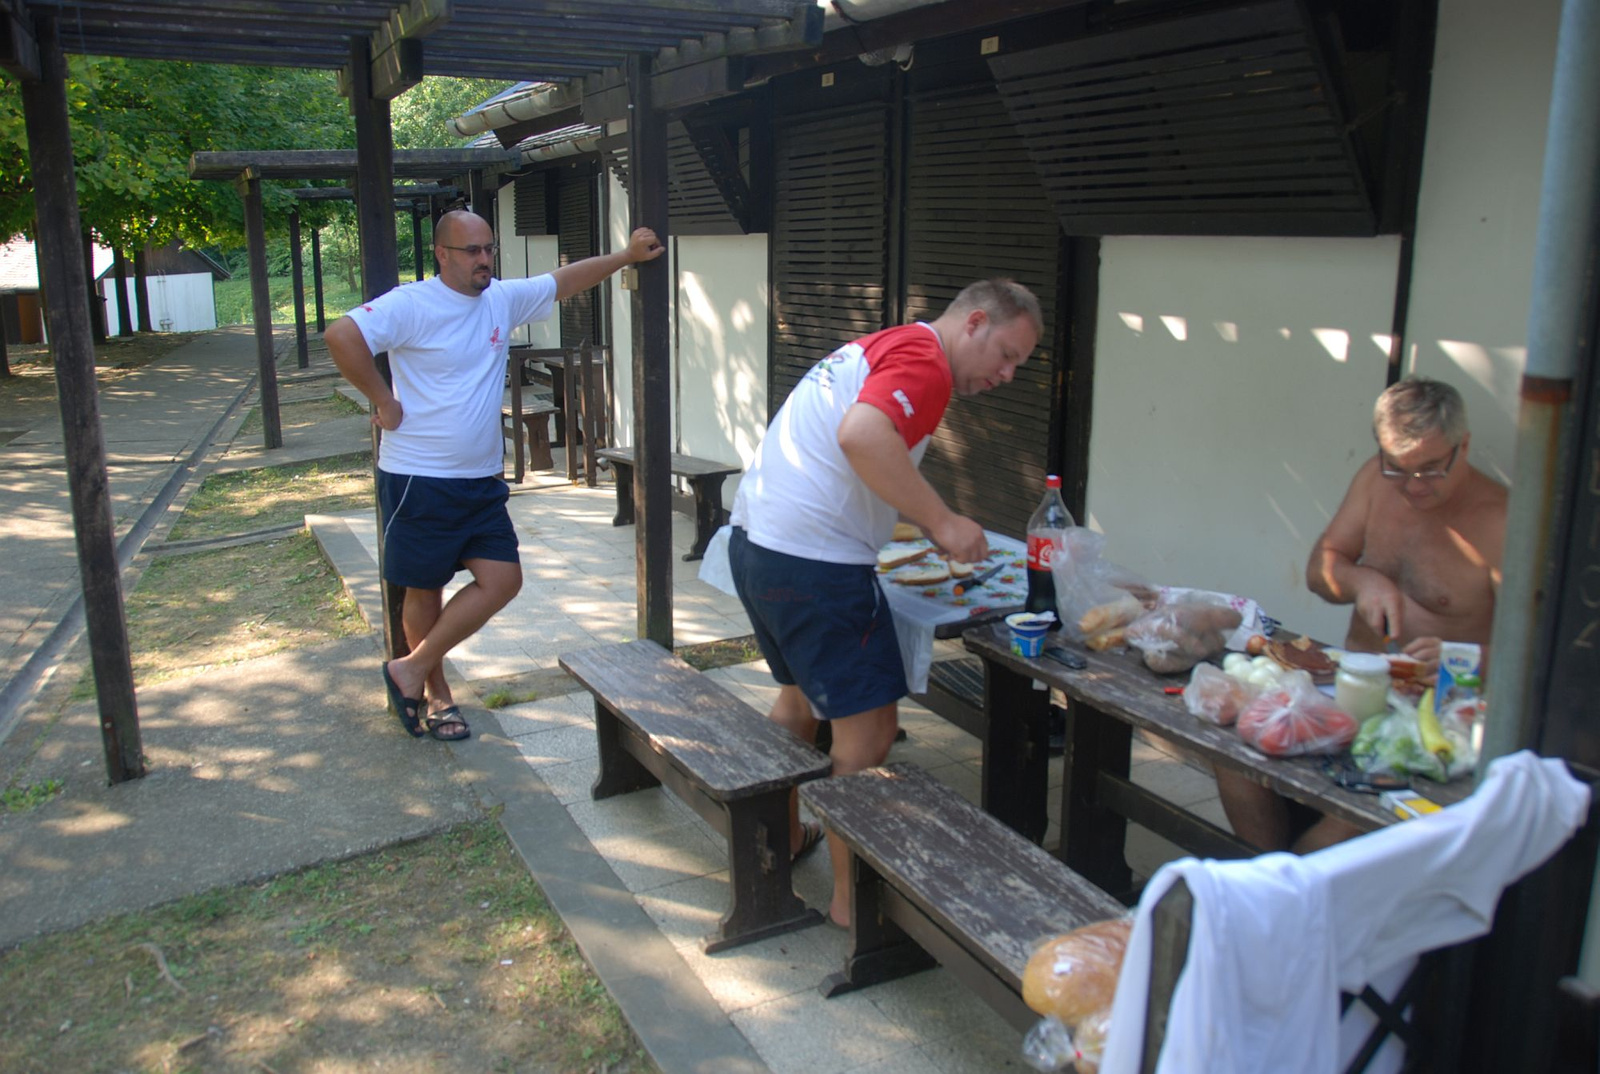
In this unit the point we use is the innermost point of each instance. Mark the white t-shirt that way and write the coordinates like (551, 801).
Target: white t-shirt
(800, 495)
(447, 352)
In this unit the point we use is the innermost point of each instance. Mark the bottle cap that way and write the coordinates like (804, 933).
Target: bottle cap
(1052, 481)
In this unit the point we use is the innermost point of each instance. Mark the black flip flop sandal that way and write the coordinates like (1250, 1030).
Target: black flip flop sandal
(435, 724)
(810, 835)
(405, 707)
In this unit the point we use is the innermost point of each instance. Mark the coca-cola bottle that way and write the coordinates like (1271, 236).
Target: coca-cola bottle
(1045, 530)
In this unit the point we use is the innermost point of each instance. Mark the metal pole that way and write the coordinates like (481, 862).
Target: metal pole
(55, 197)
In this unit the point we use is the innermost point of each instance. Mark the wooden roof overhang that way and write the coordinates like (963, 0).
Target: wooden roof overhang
(428, 164)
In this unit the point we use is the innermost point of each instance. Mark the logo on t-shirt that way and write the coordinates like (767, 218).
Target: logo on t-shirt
(367, 308)
(494, 339)
(905, 404)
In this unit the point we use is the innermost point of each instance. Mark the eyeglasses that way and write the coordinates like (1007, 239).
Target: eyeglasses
(1394, 473)
(474, 250)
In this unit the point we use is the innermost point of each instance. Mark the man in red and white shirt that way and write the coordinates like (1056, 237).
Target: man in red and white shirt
(835, 470)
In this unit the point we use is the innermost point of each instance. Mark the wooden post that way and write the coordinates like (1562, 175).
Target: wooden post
(55, 197)
(316, 277)
(119, 267)
(416, 239)
(97, 302)
(141, 292)
(298, 270)
(652, 364)
(255, 237)
(5, 334)
(380, 266)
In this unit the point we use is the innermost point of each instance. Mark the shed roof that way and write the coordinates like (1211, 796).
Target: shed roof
(19, 265)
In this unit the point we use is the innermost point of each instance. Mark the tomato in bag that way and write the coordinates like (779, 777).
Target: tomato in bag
(1283, 723)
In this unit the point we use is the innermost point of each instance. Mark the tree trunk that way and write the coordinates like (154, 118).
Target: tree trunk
(97, 305)
(141, 291)
(119, 265)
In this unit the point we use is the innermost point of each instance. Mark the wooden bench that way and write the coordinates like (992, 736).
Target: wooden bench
(705, 481)
(536, 430)
(659, 721)
(934, 878)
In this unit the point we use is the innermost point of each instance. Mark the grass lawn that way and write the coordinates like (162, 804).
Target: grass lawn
(246, 500)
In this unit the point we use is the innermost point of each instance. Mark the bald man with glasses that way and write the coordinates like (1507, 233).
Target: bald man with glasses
(1416, 548)
(440, 490)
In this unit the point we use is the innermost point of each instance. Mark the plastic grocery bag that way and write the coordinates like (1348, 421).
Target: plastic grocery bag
(1086, 580)
(1071, 980)
(1390, 742)
(1181, 632)
(1294, 721)
(1216, 696)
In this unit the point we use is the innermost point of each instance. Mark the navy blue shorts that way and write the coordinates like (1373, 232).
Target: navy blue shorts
(431, 525)
(823, 627)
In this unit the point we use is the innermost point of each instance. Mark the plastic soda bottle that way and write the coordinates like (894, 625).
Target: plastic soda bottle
(1045, 530)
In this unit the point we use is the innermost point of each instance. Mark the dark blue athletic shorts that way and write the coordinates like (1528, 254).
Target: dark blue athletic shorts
(432, 524)
(823, 627)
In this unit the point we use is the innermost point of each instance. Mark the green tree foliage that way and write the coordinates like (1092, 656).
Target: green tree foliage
(134, 124)
(421, 115)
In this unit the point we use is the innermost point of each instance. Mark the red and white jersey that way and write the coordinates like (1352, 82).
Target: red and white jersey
(800, 495)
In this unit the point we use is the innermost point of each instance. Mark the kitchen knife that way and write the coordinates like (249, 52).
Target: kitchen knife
(977, 579)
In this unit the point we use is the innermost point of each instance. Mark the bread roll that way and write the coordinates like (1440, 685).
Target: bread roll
(1075, 975)
(959, 569)
(907, 531)
(929, 573)
(897, 554)
(1115, 638)
(1120, 612)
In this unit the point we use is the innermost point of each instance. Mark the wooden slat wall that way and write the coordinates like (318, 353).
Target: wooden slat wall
(1222, 123)
(829, 253)
(576, 195)
(528, 204)
(975, 208)
(694, 204)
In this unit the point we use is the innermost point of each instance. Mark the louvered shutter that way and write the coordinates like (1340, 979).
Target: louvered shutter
(1221, 123)
(576, 196)
(975, 209)
(528, 204)
(829, 252)
(696, 202)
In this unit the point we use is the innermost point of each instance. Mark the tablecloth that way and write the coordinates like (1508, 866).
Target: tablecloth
(917, 610)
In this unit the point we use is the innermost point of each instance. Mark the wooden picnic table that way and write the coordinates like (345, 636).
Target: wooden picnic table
(1115, 695)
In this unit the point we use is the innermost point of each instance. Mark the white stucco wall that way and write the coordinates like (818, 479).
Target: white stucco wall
(1479, 210)
(1233, 389)
(185, 300)
(522, 256)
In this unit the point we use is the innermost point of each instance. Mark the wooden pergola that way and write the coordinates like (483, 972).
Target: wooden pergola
(642, 59)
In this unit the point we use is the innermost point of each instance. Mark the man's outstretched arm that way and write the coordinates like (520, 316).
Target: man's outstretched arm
(581, 275)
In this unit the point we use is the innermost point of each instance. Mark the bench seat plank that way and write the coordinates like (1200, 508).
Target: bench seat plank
(733, 751)
(705, 480)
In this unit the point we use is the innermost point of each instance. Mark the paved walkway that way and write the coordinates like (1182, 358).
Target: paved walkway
(292, 760)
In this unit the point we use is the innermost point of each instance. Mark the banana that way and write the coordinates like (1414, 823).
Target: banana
(1430, 732)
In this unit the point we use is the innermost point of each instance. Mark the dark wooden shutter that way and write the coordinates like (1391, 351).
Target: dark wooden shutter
(528, 204)
(696, 201)
(975, 209)
(829, 250)
(1221, 123)
(576, 197)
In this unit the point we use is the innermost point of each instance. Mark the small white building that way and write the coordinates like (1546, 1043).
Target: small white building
(180, 283)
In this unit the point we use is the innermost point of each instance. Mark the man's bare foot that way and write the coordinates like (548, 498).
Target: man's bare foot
(410, 680)
(838, 919)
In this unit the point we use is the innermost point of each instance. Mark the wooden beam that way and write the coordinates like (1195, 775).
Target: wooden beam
(513, 133)
(297, 270)
(343, 163)
(396, 49)
(652, 364)
(316, 278)
(397, 69)
(380, 272)
(55, 199)
(19, 50)
(255, 238)
(416, 241)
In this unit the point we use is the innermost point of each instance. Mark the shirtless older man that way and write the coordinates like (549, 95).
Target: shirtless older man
(1416, 547)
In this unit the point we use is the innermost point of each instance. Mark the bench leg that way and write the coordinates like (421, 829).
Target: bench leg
(1016, 751)
(1093, 838)
(620, 771)
(624, 493)
(761, 899)
(539, 457)
(879, 949)
(708, 513)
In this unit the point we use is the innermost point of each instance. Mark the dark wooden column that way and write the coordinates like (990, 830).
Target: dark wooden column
(5, 333)
(255, 237)
(416, 241)
(652, 363)
(380, 266)
(97, 302)
(316, 276)
(119, 267)
(141, 292)
(298, 270)
(55, 197)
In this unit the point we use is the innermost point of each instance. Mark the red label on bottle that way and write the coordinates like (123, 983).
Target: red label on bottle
(1040, 549)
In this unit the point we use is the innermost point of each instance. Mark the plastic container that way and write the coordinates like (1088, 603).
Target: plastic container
(1045, 530)
(1028, 631)
(1362, 686)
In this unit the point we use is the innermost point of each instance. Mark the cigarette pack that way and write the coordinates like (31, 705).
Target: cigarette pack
(1408, 804)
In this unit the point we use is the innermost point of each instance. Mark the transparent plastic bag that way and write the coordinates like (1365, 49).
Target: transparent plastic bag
(1296, 720)
(1051, 1046)
(1390, 742)
(1215, 696)
(1088, 582)
(1179, 634)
